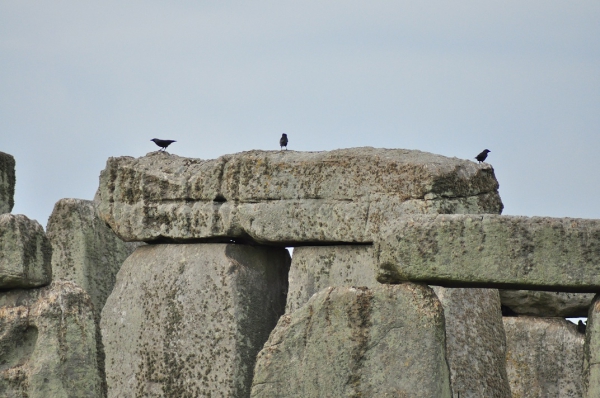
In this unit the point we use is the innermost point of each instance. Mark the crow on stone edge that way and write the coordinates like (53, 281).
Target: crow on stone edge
(481, 157)
(162, 143)
(283, 141)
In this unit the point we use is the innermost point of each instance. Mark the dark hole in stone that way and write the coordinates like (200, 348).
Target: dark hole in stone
(220, 198)
(506, 311)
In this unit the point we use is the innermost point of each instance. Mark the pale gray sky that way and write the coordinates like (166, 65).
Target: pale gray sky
(81, 81)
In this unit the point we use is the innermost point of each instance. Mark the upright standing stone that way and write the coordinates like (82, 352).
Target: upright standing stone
(25, 253)
(475, 342)
(592, 351)
(7, 182)
(187, 320)
(544, 357)
(84, 249)
(48, 344)
(358, 342)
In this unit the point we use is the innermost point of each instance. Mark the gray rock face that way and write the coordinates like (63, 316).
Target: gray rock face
(7, 182)
(591, 364)
(547, 304)
(25, 253)
(475, 342)
(358, 342)
(316, 267)
(544, 357)
(84, 249)
(48, 344)
(187, 320)
(537, 253)
(287, 197)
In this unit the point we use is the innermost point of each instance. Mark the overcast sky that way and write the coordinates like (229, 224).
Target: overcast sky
(82, 81)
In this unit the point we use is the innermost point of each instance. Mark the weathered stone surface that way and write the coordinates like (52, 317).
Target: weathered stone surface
(475, 342)
(547, 304)
(84, 249)
(591, 364)
(287, 197)
(7, 182)
(25, 253)
(358, 342)
(316, 267)
(537, 253)
(187, 320)
(544, 357)
(48, 343)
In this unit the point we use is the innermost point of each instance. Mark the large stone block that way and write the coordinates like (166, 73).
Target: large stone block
(358, 342)
(84, 249)
(187, 320)
(48, 344)
(287, 197)
(25, 253)
(7, 182)
(537, 253)
(475, 342)
(544, 357)
(547, 304)
(591, 364)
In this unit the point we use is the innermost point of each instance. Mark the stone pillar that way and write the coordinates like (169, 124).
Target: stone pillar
(84, 249)
(358, 342)
(544, 357)
(7, 182)
(25, 253)
(592, 351)
(48, 344)
(189, 319)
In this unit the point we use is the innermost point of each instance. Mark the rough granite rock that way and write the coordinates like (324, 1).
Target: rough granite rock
(544, 357)
(475, 342)
(48, 344)
(84, 249)
(7, 182)
(287, 197)
(537, 253)
(591, 364)
(547, 304)
(25, 253)
(358, 342)
(187, 320)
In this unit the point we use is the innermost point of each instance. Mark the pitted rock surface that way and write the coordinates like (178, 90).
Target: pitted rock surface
(48, 343)
(547, 304)
(544, 357)
(187, 320)
(7, 182)
(358, 342)
(591, 359)
(287, 197)
(84, 249)
(25, 253)
(492, 251)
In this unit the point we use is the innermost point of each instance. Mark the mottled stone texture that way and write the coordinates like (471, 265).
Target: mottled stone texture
(25, 253)
(287, 197)
(475, 342)
(537, 253)
(544, 357)
(187, 320)
(84, 249)
(7, 182)
(48, 344)
(591, 375)
(316, 267)
(358, 342)
(547, 304)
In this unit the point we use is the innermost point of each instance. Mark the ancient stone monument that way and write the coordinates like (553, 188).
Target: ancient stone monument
(391, 290)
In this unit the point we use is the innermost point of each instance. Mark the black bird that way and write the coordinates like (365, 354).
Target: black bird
(581, 327)
(283, 141)
(481, 157)
(162, 143)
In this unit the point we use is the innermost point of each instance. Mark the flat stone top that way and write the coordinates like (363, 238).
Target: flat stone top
(344, 174)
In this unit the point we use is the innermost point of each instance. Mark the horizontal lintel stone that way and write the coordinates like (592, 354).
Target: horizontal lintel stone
(492, 251)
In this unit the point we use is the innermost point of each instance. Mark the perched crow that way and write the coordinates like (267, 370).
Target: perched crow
(162, 143)
(283, 141)
(481, 157)
(581, 327)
